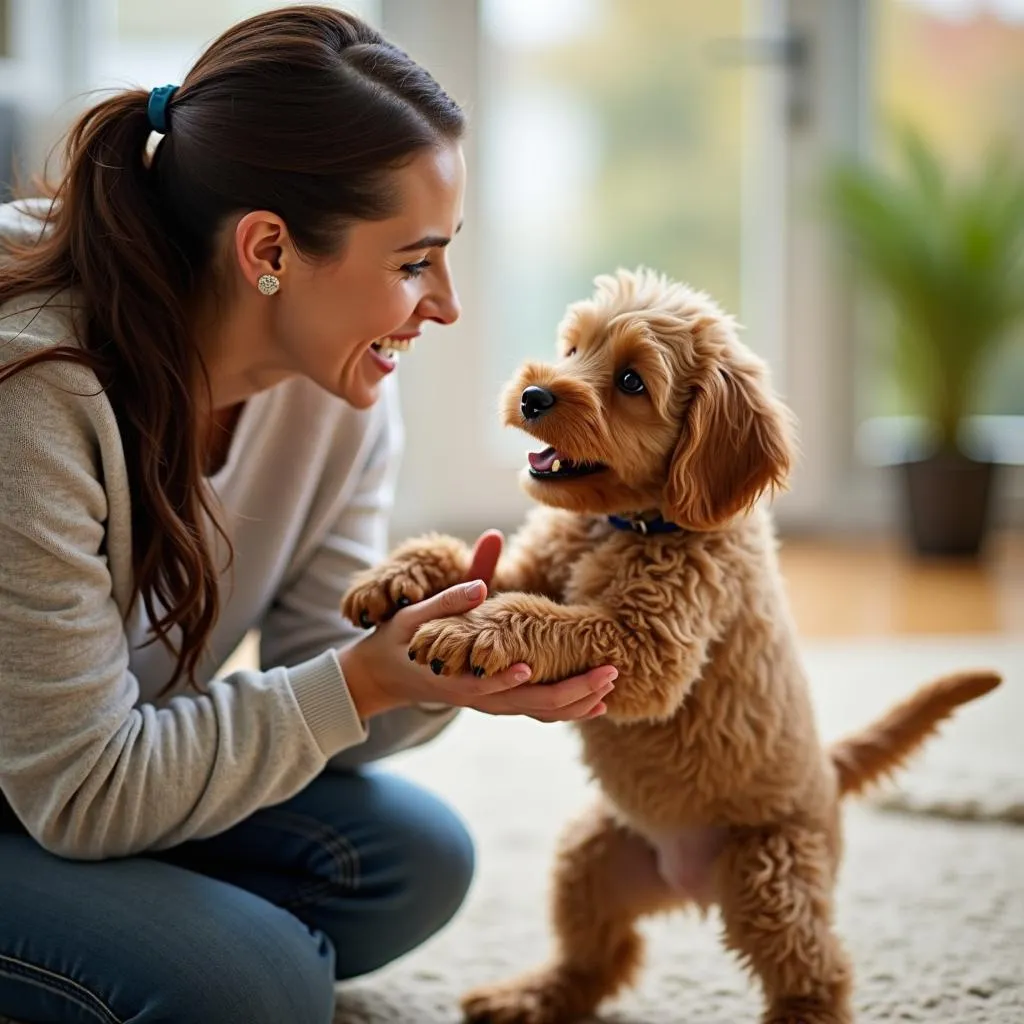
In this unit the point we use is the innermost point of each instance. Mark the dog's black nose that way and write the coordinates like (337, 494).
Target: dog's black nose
(535, 402)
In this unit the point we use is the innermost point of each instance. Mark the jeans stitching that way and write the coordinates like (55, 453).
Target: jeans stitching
(341, 851)
(57, 983)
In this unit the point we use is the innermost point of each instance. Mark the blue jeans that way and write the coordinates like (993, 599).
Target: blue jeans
(251, 926)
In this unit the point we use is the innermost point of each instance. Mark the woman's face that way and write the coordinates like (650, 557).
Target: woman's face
(336, 320)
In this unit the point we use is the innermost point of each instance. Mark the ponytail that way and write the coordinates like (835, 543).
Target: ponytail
(107, 235)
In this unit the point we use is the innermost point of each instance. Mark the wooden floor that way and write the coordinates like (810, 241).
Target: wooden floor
(874, 587)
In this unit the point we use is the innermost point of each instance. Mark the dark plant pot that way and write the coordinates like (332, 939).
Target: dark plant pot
(948, 498)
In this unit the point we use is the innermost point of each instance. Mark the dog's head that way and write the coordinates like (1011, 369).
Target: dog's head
(653, 403)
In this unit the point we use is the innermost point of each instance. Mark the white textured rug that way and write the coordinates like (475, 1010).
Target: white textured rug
(932, 909)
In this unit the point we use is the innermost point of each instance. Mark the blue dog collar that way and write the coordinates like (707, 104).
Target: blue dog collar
(644, 526)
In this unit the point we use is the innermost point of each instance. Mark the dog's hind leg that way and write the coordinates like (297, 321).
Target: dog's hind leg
(605, 878)
(775, 889)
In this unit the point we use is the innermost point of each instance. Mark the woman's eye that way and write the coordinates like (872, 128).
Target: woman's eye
(630, 382)
(415, 269)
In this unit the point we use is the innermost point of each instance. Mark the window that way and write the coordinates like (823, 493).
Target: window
(954, 69)
(613, 135)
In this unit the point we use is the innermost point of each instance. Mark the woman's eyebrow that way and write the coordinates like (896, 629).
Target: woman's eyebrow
(429, 242)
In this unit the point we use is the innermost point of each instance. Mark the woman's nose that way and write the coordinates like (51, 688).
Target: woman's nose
(441, 306)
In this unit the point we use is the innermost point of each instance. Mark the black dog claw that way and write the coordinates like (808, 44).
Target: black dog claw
(365, 621)
(403, 602)
(412, 655)
(437, 666)
(478, 671)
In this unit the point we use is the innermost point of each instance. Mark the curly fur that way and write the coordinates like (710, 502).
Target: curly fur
(715, 786)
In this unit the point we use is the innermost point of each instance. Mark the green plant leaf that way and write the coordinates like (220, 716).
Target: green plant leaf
(948, 258)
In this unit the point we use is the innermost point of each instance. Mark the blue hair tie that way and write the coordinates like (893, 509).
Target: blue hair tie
(157, 107)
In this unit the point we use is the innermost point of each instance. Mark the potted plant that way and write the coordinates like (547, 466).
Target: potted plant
(948, 257)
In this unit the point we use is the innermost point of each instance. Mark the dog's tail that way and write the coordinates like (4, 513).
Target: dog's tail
(885, 745)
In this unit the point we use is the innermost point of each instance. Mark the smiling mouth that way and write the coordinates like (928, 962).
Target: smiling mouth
(551, 465)
(388, 347)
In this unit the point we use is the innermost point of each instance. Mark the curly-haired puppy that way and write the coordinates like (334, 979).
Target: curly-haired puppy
(660, 434)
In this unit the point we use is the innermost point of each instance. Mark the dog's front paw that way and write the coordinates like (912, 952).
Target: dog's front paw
(376, 594)
(481, 641)
(543, 998)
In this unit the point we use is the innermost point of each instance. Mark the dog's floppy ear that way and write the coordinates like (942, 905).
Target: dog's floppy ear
(735, 444)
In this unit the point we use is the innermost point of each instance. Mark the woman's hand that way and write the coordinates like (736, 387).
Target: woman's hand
(380, 675)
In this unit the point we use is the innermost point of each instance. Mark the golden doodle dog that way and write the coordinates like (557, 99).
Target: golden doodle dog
(649, 553)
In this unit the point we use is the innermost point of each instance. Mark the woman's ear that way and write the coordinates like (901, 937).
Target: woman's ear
(261, 240)
(735, 444)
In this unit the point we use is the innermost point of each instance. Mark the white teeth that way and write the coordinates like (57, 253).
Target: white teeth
(390, 347)
(556, 466)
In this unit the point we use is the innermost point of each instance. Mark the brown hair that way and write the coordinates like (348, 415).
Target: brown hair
(302, 111)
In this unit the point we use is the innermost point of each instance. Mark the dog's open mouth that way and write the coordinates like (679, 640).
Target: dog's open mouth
(549, 464)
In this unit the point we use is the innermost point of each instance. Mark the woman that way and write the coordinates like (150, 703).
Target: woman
(198, 435)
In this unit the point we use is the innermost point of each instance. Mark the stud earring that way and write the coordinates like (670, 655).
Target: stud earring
(268, 283)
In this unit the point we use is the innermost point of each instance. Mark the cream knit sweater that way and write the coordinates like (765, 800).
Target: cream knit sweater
(90, 761)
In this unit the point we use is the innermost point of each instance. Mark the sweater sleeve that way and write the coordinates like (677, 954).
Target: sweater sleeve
(90, 772)
(305, 617)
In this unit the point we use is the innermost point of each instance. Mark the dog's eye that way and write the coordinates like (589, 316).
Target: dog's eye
(630, 382)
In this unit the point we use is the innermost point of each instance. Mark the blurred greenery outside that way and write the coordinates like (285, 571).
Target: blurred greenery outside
(961, 85)
(620, 143)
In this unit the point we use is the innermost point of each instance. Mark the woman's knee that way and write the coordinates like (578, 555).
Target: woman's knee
(415, 868)
(248, 978)
(441, 862)
(426, 866)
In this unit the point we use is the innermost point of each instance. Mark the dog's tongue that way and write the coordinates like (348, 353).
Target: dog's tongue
(543, 461)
